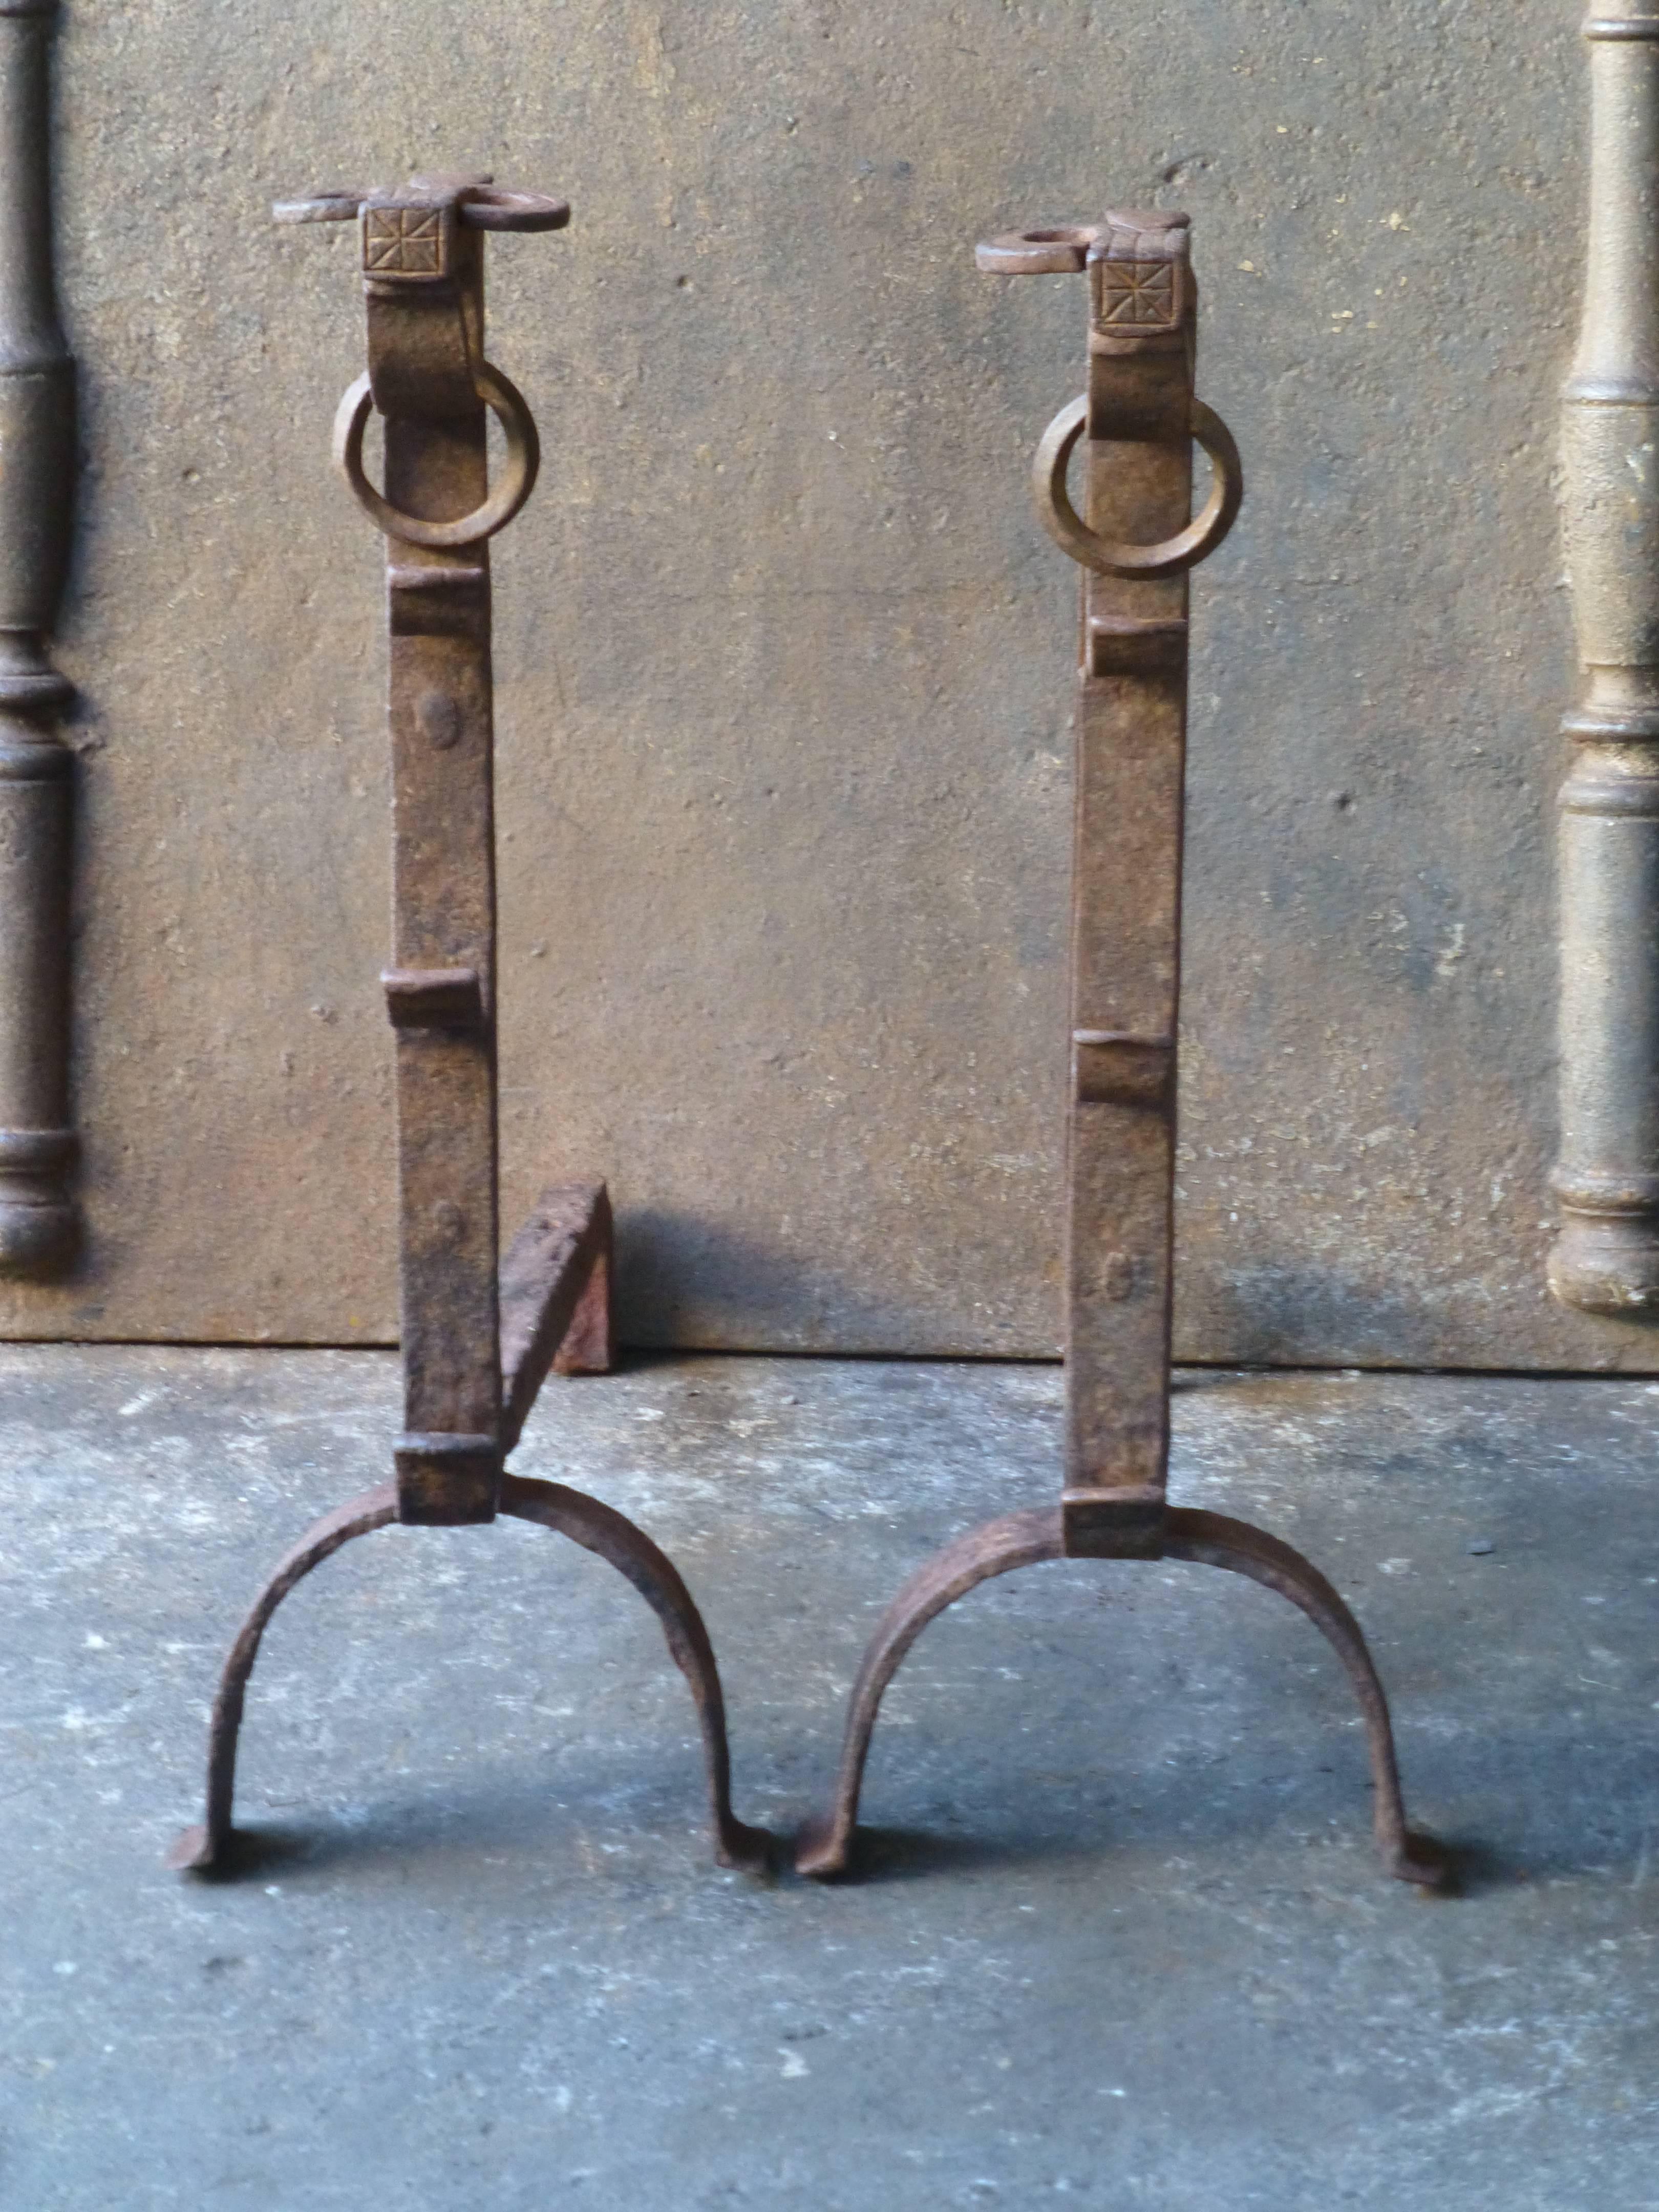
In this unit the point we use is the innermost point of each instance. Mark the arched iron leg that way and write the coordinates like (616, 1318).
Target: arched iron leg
(597, 1528)
(1019, 1540)
(198, 1849)
(1022, 1540)
(600, 1529)
(1212, 1539)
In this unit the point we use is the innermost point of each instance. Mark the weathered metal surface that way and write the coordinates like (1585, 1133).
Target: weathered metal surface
(1606, 1260)
(1135, 547)
(555, 1303)
(38, 1222)
(477, 1338)
(611, 1536)
(1029, 1539)
(444, 918)
(204, 1846)
(209, 1847)
(1128, 790)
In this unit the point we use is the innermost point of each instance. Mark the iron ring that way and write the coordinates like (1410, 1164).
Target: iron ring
(1171, 555)
(524, 456)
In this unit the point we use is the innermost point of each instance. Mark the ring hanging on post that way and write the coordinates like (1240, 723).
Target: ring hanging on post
(523, 458)
(1171, 555)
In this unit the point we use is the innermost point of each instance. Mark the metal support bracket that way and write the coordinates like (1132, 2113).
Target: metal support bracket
(1135, 543)
(479, 1336)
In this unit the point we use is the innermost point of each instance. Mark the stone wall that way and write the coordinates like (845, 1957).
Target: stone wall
(783, 659)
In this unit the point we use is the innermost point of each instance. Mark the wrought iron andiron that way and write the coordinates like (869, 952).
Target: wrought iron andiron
(476, 1345)
(1137, 423)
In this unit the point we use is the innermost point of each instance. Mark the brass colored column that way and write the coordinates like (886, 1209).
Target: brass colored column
(36, 468)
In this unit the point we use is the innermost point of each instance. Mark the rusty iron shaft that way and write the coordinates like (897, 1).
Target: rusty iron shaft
(478, 1335)
(1135, 543)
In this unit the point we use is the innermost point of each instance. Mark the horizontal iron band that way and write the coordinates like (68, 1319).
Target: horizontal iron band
(456, 606)
(1114, 1069)
(36, 1151)
(1124, 1037)
(1589, 1190)
(1610, 392)
(448, 1481)
(41, 761)
(448, 576)
(1121, 646)
(1612, 799)
(1621, 27)
(1634, 725)
(35, 691)
(1125, 1523)
(434, 997)
(446, 1444)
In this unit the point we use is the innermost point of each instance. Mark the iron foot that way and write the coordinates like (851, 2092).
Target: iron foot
(599, 1528)
(204, 1849)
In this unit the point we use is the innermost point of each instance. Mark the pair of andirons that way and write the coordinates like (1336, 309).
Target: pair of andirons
(479, 1334)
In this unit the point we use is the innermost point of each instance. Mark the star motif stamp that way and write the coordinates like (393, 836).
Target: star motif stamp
(1140, 295)
(410, 242)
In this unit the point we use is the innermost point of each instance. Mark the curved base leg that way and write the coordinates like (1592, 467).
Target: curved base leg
(1019, 1540)
(1210, 1540)
(597, 1528)
(601, 1529)
(200, 1849)
(1023, 1539)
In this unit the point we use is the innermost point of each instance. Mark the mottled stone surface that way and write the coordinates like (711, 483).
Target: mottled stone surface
(1121, 1939)
(784, 660)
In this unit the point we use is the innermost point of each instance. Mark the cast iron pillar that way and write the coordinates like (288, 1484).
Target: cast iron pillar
(37, 472)
(1606, 1256)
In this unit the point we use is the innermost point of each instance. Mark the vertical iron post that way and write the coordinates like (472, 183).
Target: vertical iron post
(37, 470)
(1138, 422)
(1606, 1255)
(480, 1332)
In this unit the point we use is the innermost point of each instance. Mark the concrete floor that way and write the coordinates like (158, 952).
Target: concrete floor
(1121, 1939)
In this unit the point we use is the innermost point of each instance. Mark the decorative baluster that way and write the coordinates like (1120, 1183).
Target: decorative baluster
(1606, 1258)
(37, 450)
